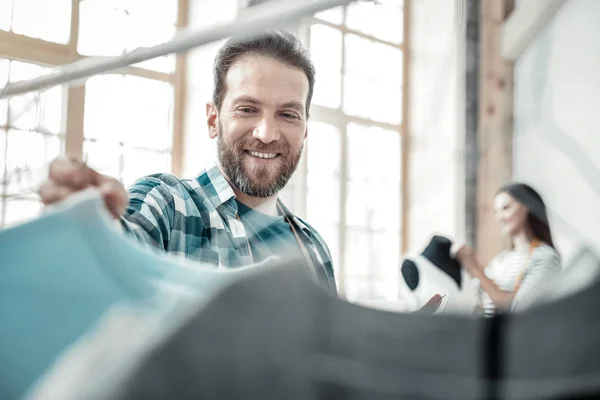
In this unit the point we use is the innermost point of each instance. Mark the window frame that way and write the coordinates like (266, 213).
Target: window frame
(19, 47)
(338, 118)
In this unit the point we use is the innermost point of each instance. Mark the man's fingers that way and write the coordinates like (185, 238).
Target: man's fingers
(72, 173)
(51, 193)
(115, 197)
(68, 175)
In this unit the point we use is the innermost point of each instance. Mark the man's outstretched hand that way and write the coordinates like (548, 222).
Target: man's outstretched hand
(67, 176)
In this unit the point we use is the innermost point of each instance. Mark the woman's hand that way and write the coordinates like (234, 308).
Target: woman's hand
(466, 255)
(431, 306)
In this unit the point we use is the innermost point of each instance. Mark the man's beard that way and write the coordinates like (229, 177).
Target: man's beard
(257, 182)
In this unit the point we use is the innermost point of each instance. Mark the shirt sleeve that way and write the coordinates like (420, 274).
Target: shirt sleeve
(149, 215)
(543, 267)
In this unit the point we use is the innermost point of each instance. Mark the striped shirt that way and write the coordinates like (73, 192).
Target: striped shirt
(198, 218)
(504, 270)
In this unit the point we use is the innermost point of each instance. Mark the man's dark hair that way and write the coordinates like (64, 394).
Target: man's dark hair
(277, 44)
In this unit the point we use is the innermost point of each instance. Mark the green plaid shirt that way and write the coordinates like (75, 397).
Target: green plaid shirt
(197, 218)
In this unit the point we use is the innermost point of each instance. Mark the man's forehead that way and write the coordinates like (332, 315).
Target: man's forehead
(266, 79)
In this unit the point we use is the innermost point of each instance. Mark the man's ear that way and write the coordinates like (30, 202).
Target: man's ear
(212, 120)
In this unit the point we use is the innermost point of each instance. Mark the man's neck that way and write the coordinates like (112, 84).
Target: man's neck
(265, 205)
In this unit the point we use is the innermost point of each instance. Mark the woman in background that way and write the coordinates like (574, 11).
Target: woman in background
(514, 278)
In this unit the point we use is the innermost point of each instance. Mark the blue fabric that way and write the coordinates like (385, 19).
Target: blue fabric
(64, 270)
(267, 234)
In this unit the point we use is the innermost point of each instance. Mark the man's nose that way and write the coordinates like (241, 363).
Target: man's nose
(266, 131)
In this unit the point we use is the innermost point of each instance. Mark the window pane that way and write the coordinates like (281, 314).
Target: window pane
(328, 89)
(372, 99)
(140, 111)
(333, 15)
(323, 149)
(41, 111)
(27, 158)
(372, 264)
(385, 205)
(326, 53)
(26, 152)
(374, 154)
(139, 162)
(42, 19)
(385, 263)
(4, 68)
(323, 164)
(383, 19)
(373, 80)
(373, 60)
(356, 289)
(385, 255)
(359, 207)
(373, 206)
(133, 24)
(5, 15)
(105, 157)
(358, 249)
(322, 200)
(33, 110)
(125, 163)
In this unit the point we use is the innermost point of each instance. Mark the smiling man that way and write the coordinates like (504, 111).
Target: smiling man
(230, 214)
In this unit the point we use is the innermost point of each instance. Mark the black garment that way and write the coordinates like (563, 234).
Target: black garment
(277, 334)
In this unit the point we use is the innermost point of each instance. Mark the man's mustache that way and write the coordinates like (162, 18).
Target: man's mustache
(263, 148)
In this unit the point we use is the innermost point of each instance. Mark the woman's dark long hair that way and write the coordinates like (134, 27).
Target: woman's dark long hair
(537, 217)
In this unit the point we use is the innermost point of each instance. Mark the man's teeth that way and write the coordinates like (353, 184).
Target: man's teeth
(263, 155)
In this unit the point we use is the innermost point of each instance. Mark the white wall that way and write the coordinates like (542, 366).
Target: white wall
(557, 120)
(436, 122)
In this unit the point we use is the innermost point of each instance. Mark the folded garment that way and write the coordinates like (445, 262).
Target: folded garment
(276, 334)
(61, 272)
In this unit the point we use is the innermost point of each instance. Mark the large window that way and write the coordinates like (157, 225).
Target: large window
(122, 123)
(354, 146)
(30, 135)
(136, 139)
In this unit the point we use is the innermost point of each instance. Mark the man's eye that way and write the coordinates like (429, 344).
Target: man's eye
(245, 109)
(289, 115)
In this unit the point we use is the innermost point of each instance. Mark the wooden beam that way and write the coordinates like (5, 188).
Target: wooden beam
(180, 100)
(23, 48)
(73, 145)
(26, 49)
(75, 118)
(495, 126)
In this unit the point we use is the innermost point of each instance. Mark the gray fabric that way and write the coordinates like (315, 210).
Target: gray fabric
(553, 350)
(277, 334)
